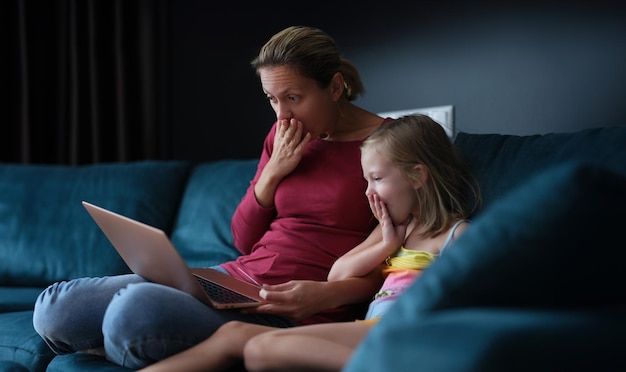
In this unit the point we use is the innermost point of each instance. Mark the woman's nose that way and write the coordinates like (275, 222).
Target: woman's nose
(283, 112)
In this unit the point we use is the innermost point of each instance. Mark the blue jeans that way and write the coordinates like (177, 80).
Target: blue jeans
(138, 322)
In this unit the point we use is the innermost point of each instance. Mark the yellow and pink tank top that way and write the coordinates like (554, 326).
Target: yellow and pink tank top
(401, 270)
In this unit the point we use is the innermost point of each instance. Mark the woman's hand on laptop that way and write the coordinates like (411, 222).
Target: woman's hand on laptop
(299, 299)
(296, 299)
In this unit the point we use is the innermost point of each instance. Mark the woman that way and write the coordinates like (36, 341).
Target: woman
(304, 208)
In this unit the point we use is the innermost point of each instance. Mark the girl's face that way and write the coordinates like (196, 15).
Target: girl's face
(292, 95)
(386, 181)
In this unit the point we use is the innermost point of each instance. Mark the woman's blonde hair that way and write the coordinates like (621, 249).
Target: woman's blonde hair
(450, 192)
(312, 53)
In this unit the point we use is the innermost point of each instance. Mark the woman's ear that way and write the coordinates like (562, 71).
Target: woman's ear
(422, 173)
(337, 86)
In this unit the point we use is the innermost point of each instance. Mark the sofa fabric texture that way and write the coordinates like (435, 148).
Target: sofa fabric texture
(43, 224)
(534, 284)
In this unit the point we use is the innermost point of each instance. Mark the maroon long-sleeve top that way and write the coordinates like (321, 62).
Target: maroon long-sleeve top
(320, 212)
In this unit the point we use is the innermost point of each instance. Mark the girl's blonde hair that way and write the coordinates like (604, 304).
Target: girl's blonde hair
(312, 53)
(450, 192)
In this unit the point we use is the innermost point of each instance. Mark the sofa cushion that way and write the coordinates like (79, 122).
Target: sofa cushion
(45, 233)
(496, 340)
(18, 298)
(549, 244)
(81, 362)
(502, 162)
(20, 344)
(12, 366)
(202, 232)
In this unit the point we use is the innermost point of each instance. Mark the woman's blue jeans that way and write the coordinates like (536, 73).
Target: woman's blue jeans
(138, 322)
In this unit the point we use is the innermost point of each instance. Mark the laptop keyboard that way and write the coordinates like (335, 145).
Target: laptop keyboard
(221, 294)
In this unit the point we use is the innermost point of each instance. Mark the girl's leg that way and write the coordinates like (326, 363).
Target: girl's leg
(219, 352)
(319, 347)
(68, 315)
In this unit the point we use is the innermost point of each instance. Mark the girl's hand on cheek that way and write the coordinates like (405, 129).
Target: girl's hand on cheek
(376, 206)
(393, 234)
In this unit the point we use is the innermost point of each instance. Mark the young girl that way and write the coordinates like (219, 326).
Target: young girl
(419, 191)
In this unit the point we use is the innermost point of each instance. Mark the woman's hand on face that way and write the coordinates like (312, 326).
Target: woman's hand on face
(296, 299)
(392, 234)
(289, 144)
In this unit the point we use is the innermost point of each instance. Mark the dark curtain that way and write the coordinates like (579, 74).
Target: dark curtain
(86, 81)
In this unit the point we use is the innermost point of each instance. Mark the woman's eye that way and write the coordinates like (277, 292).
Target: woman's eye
(293, 98)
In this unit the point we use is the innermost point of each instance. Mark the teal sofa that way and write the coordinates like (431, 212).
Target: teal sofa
(535, 284)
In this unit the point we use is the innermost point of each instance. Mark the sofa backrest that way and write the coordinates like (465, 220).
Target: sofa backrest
(503, 162)
(45, 233)
(202, 231)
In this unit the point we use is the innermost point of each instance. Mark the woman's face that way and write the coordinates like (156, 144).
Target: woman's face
(292, 95)
(386, 181)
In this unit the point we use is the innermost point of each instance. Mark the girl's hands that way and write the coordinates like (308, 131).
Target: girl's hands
(393, 235)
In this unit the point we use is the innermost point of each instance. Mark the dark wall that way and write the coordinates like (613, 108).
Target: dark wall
(513, 69)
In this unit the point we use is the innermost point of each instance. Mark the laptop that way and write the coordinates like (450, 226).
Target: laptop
(149, 253)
